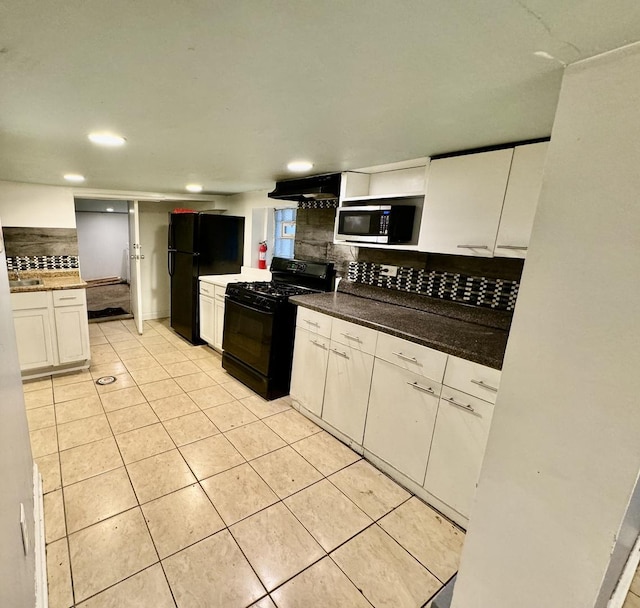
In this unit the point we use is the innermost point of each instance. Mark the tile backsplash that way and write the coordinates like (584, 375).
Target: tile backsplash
(41, 248)
(42, 262)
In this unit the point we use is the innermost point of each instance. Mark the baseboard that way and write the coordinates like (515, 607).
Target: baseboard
(42, 594)
(158, 314)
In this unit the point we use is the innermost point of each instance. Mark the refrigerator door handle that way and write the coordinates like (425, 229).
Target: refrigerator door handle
(171, 262)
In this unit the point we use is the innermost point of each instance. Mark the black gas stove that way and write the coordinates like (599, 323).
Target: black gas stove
(259, 324)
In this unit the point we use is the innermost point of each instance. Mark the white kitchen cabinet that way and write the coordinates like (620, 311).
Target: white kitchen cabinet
(218, 314)
(309, 369)
(71, 322)
(464, 201)
(401, 418)
(207, 318)
(521, 200)
(413, 357)
(459, 441)
(472, 378)
(32, 320)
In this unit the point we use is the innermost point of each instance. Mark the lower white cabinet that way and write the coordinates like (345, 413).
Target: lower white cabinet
(207, 319)
(218, 317)
(211, 313)
(309, 369)
(33, 335)
(401, 417)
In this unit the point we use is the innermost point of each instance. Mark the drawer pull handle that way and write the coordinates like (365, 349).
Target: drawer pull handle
(405, 357)
(493, 389)
(311, 322)
(472, 247)
(463, 406)
(424, 389)
(319, 344)
(341, 353)
(349, 336)
(68, 298)
(205, 292)
(513, 247)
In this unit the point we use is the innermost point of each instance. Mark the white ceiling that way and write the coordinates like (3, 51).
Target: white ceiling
(226, 92)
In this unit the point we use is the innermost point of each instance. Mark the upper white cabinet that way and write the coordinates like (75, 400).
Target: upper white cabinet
(464, 201)
(521, 200)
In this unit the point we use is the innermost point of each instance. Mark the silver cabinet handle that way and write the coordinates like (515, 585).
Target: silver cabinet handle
(463, 406)
(68, 298)
(311, 322)
(319, 344)
(205, 291)
(405, 357)
(349, 336)
(472, 247)
(483, 385)
(424, 389)
(514, 247)
(341, 353)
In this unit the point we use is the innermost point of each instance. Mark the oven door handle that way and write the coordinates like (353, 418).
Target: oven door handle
(230, 300)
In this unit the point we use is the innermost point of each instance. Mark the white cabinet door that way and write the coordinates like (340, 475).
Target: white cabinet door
(72, 333)
(207, 319)
(457, 450)
(346, 392)
(33, 335)
(309, 369)
(400, 419)
(521, 200)
(218, 322)
(463, 202)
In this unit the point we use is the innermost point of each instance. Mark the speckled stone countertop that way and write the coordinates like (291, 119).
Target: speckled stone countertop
(51, 280)
(469, 332)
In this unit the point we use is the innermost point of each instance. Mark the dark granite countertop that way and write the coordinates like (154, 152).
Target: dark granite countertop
(468, 332)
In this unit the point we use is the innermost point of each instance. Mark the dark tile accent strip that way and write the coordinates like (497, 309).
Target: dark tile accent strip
(42, 262)
(327, 203)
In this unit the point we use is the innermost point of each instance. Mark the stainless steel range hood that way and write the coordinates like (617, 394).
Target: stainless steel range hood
(318, 187)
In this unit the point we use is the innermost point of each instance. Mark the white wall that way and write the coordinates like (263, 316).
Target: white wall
(36, 206)
(552, 521)
(103, 243)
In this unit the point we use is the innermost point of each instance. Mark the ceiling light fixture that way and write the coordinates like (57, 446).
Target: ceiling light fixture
(193, 188)
(74, 177)
(299, 166)
(110, 209)
(107, 139)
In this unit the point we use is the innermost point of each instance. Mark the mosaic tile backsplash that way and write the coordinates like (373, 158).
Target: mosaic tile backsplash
(499, 294)
(42, 262)
(327, 203)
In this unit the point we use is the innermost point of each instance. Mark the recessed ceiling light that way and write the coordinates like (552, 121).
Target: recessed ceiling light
(107, 139)
(299, 166)
(194, 188)
(74, 177)
(110, 209)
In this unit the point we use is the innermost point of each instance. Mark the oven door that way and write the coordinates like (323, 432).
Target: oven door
(247, 334)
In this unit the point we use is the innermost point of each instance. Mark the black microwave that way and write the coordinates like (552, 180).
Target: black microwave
(375, 224)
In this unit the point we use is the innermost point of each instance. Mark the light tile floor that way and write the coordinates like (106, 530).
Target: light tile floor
(178, 486)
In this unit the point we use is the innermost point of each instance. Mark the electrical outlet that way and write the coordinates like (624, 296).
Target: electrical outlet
(390, 271)
(24, 530)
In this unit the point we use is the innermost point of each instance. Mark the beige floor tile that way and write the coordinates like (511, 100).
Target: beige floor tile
(209, 364)
(103, 349)
(130, 349)
(112, 368)
(77, 409)
(255, 439)
(632, 601)
(285, 471)
(182, 368)
(372, 491)
(122, 381)
(144, 442)
(38, 398)
(218, 374)
(230, 416)
(94, 330)
(151, 337)
(262, 408)
(211, 396)
(238, 493)
(59, 575)
(190, 428)
(212, 573)
(118, 337)
(174, 406)
(171, 357)
(49, 467)
(325, 452)
(323, 580)
(85, 430)
(121, 541)
(54, 526)
(130, 418)
(149, 376)
(36, 385)
(44, 441)
(276, 545)
(180, 519)
(237, 389)
(635, 583)
(97, 498)
(88, 460)
(385, 573)
(210, 456)
(292, 426)
(160, 347)
(201, 352)
(125, 397)
(328, 514)
(144, 362)
(104, 357)
(96, 340)
(41, 417)
(77, 390)
(265, 602)
(147, 589)
(427, 535)
(161, 388)
(194, 382)
(156, 476)
(71, 378)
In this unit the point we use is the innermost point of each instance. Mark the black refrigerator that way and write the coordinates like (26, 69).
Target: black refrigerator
(199, 244)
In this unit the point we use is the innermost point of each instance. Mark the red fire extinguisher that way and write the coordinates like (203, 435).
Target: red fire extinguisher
(262, 255)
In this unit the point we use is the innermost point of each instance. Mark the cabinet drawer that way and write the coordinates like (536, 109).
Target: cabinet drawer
(29, 300)
(207, 289)
(410, 356)
(315, 322)
(219, 292)
(69, 297)
(356, 336)
(472, 378)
